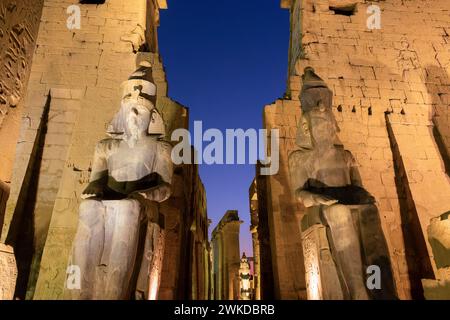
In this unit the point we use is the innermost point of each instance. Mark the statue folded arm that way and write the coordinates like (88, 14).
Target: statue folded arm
(99, 173)
(299, 180)
(354, 172)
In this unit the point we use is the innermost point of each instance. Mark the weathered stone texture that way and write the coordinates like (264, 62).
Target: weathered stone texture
(401, 69)
(19, 22)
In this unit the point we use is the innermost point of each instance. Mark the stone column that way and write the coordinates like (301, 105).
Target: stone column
(225, 239)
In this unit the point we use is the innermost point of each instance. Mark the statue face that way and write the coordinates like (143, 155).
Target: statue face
(137, 118)
(323, 127)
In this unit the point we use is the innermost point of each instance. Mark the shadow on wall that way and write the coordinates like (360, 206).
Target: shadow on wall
(22, 233)
(437, 79)
(416, 253)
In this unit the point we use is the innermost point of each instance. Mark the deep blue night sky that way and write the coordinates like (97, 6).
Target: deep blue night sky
(225, 60)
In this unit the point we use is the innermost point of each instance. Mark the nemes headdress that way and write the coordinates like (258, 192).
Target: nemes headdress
(315, 94)
(141, 87)
(314, 91)
(141, 82)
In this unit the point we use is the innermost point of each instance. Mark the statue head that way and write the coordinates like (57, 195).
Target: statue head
(317, 125)
(138, 113)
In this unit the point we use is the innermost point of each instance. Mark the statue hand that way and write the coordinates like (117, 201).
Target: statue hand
(326, 201)
(158, 194)
(310, 199)
(94, 189)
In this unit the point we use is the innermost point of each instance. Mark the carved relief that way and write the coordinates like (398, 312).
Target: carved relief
(19, 22)
(8, 273)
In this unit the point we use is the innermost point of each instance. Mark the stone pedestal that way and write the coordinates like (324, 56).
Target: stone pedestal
(322, 282)
(149, 279)
(8, 272)
(325, 279)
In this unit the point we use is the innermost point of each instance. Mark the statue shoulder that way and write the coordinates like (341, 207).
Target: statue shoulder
(107, 144)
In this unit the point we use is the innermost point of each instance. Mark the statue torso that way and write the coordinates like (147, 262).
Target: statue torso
(127, 163)
(331, 167)
(137, 167)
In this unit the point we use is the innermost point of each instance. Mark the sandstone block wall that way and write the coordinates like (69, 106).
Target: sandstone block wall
(391, 89)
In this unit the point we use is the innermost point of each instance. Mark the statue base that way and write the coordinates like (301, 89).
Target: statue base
(322, 281)
(325, 271)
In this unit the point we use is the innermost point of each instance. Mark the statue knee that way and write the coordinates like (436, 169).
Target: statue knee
(91, 212)
(129, 205)
(89, 205)
(338, 215)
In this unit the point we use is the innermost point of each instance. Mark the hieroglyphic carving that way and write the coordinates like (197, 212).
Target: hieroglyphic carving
(312, 271)
(8, 272)
(19, 22)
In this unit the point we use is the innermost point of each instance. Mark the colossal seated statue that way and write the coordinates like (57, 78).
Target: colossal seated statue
(119, 243)
(341, 228)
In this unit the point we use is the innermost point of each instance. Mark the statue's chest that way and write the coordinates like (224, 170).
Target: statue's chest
(329, 168)
(132, 163)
